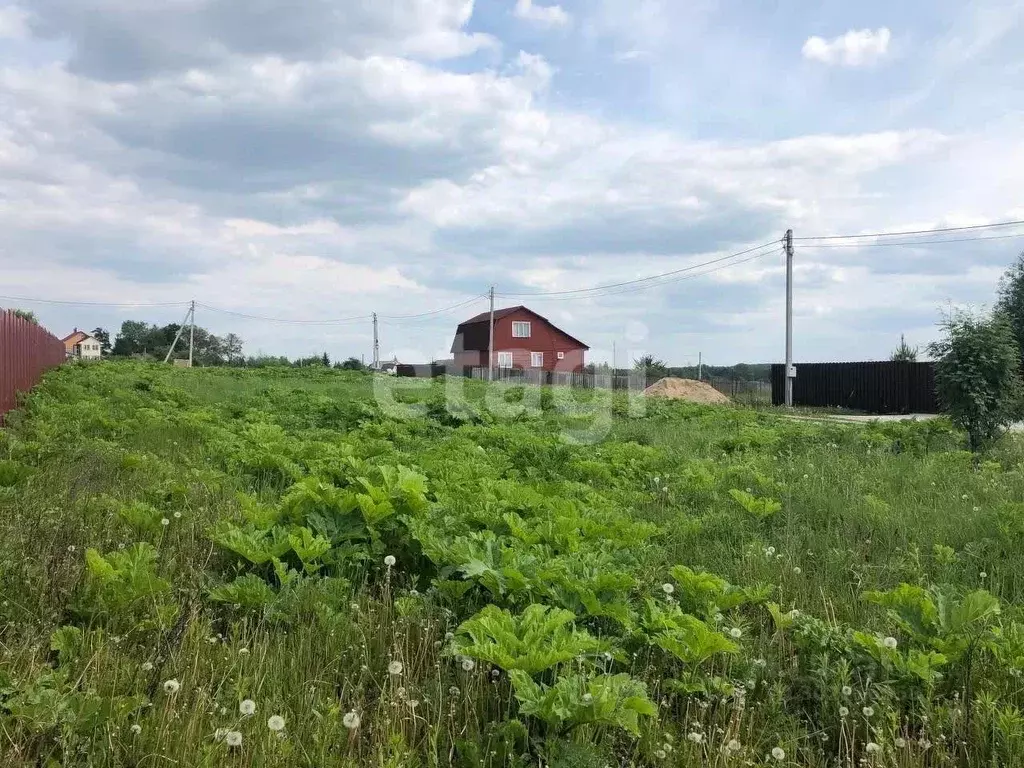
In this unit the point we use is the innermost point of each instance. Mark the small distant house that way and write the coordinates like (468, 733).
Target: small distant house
(82, 346)
(388, 366)
(522, 339)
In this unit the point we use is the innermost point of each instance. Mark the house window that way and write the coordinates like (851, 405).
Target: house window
(537, 359)
(504, 359)
(561, 355)
(520, 330)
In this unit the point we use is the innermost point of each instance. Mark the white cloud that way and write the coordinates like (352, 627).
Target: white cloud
(13, 23)
(542, 15)
(857, 48)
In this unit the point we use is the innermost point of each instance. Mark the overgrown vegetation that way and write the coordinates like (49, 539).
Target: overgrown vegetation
(234, 567)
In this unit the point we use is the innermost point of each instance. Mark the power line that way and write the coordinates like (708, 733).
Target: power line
(290, 321)
(913, 232)
(912, 242)
(640, 279)
(669, 281)
(93, 303)
(436, 311)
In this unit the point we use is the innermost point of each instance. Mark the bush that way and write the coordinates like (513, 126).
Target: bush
(977, 374)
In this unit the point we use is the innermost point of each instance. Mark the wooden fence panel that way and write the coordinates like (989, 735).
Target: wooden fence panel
(27, 350)
(876, 387)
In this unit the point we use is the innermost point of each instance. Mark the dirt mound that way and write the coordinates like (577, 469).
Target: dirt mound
(686, 389)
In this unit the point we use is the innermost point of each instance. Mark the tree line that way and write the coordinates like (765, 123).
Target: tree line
(138, 339)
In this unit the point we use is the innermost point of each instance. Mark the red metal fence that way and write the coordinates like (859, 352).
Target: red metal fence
(26, 351)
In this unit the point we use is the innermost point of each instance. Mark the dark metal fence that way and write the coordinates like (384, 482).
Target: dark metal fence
(875, 387)
(26, 351)
(740, 391)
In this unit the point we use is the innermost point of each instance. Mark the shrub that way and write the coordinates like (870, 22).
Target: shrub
(977, 374)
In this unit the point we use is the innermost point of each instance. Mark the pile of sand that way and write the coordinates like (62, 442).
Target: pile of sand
(690, 390)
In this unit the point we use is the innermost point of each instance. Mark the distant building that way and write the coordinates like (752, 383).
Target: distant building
(82, 346)
(522, 339)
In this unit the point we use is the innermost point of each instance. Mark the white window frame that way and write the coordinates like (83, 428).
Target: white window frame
(503, 359)
(520, 326)
(561, 355)
(536, 359)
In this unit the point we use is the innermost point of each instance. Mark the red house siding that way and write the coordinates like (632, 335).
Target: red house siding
(544, 338)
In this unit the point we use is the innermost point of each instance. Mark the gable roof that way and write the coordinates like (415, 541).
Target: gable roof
(485, 317)
(77, 338)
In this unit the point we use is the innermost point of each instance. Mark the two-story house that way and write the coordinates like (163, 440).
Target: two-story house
(522, 339)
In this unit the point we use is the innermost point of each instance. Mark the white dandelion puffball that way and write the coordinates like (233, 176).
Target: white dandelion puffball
(983, 574)
(890, 642)
(868, 711)
(695, 737)
(177, 515)
(468, 664)
(243, 651)
(389, 561)
(733, 745)
(797, 570)
(667, 588)
(660, 754)
(275, 723)
(847, 690)
(779, 753)
(247, 707)
(395, 668)
(588, 698)
(872, 748)
(843, 711)
(147, 666)
(760, 663)
(351, 720)
(900, 742)
(233, 738)
(657, 480)
(136, 729)
(736, 633)
(165, 521)
(171, 686)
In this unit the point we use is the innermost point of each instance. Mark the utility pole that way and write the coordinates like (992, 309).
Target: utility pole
(376, 345)
(615, 357)
(490, 343)
(181, 328)
(790, 371)
(192, 332)
(700, 366)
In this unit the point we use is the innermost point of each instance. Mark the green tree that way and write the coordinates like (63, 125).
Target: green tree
(904, 353)
(1011, 300)
(326, 360)
(352, 364)
(651, 367)
(131, 339)
(25, 314)
(977, 374)
(102, 335)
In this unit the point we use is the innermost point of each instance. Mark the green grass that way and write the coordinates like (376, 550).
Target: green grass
(791, 550)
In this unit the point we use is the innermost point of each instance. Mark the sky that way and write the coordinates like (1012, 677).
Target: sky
(327, 159)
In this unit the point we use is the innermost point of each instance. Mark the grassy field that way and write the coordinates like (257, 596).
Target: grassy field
(277, 568)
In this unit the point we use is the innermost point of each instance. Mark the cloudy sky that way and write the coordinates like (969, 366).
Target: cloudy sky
(331, 158)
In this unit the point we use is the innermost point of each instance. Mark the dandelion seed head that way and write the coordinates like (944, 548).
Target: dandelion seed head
(395, 668)
(588, 698)
(247, 707)
(136, 729)
(843, 711)
(868, 711)
(900, 742)
(351, 720)
(389, 561)
(797, 570)
(890, 642)
(847, 690)
(872, 748)
(233, 738)
(667, 588)
(660, 754)
(171, 686)
(177, 515)
(165, 521)
(733, 745)
(147, 666)
(468, 665)
(695, 737)
(275, 723)
(736, 633)
(779, 753)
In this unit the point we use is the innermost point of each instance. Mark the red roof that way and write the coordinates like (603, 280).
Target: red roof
(485, 317)
(78, 337)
